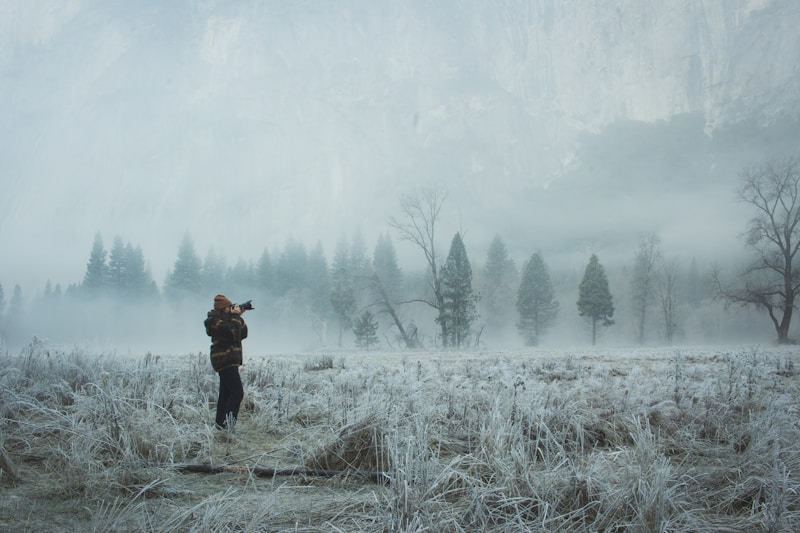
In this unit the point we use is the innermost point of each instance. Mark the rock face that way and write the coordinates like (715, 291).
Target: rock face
(303, 113)
(596, 62)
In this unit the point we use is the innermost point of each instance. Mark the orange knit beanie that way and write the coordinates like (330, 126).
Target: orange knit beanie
(221, 302)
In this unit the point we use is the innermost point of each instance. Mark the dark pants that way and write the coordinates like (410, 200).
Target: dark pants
(231, 393)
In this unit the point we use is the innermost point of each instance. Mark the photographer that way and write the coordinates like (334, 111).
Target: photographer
(227, 329)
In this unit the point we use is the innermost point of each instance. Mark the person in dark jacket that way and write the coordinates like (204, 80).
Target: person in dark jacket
(227, 329)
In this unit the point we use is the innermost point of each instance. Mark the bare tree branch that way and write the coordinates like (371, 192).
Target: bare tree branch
(771, 281)
(421, 210)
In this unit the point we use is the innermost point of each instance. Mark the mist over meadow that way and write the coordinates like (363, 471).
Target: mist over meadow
(278, 134)
(518, 265)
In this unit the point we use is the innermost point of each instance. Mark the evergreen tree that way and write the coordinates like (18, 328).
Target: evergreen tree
(387, 293)
(319, 284)
(140, 283)
(384, 262)
(359, 260)
(185, 280)
(12, 324)
(212, 273)
(117, 270)
(16, 304)
(594, 297)
(696, 288)
(126, 273)
(342, 295)
(536, 302)
(47, 295)
(291, 269)
(360, 270)
(342, 255)
(459, 298)
(240, 277)
(265, 272)
(95, 279)
(500, 280)
(365, 329)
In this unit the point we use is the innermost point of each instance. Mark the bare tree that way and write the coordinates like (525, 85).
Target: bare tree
(770, 281)
(668, 297)
(386, 303)
(643, 281)
(421, 210)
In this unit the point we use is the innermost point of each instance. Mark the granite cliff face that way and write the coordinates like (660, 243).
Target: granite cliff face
(596, 62)
(309, 119)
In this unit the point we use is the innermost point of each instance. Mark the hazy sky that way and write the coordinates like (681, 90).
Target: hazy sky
(250, 123)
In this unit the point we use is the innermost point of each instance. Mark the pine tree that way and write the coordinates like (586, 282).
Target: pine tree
(594, 297)
(696, 288)
(239, 278)
(57, 292)
(140, 283)
(117, 271)
(47, 295)
(536, 302)
(212, 273)
(264, 274)
(185, 280)
(96, 277)
(359, 260)
(499, 285)
(459, 299)
(126, 274)
(16, 304)
(12, 325)
(291, 270)
(319, 284)
(360, 270)
(387, 293)
(365, 330)
(342, 295)
(384, 261)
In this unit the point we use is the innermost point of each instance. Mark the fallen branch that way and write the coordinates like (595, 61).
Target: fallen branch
(258, 471)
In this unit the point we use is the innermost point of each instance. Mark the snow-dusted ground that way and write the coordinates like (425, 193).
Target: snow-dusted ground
(639, 439)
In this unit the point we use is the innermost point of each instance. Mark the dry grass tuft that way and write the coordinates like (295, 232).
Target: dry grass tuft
(358, 446)
(7, 473)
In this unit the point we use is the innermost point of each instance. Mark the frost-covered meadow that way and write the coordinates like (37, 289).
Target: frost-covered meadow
(640, 439)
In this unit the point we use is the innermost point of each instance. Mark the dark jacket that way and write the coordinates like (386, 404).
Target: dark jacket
(227, 330)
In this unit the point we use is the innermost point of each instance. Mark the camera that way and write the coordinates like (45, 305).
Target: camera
(248, 305)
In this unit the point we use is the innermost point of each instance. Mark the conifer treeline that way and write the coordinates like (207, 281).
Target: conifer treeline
(356, 294)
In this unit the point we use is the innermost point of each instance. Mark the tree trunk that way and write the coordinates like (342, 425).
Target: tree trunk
(788, 305)
(783, 328)
(437, 292)
(410, 344)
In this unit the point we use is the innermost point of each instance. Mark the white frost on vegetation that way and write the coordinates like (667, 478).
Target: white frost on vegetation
(569, 440)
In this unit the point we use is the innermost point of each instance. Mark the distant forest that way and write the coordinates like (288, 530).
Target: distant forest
(305, 300)
(299, 295)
